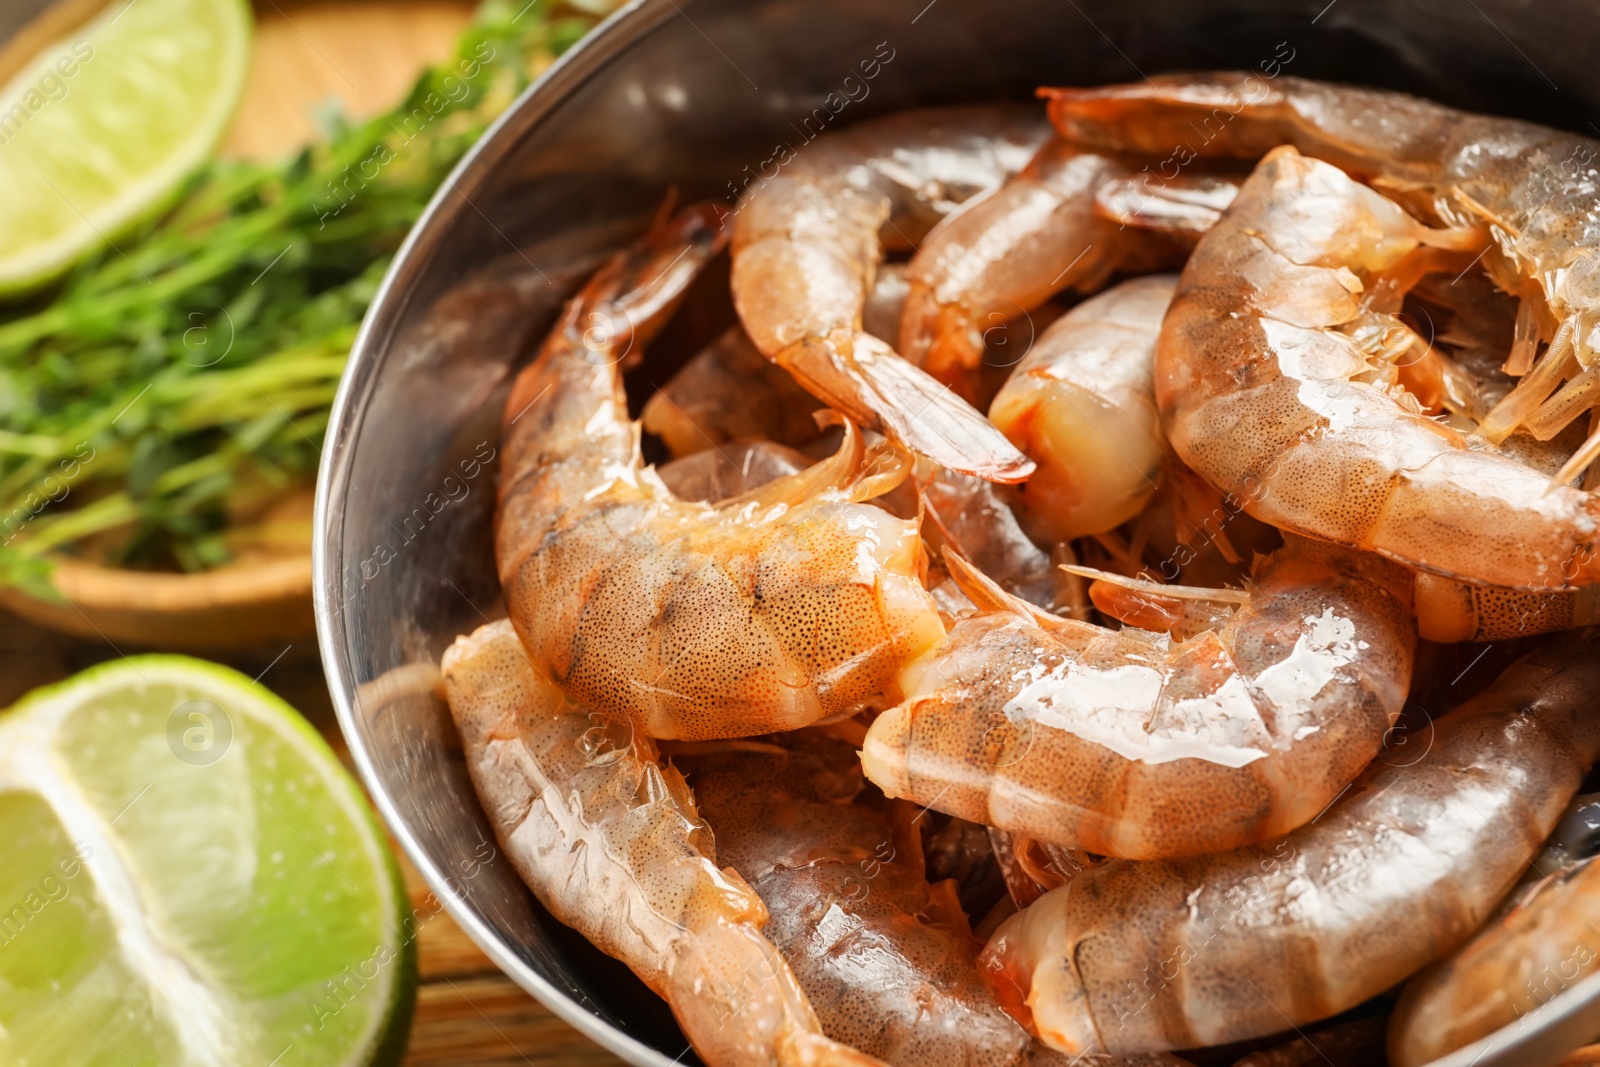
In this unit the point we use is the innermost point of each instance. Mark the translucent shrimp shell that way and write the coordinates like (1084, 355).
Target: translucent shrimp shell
(610, 842)
(1264, 392)
(1219, 948)
(846, 909)
(1128, 743)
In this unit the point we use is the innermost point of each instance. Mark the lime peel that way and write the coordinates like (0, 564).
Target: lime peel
(208, 1015)
(99, 130)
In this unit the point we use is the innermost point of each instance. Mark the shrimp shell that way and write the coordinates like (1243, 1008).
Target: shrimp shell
(1129, 744)
(1262, 388)
(849, 912)
(1006, 253)
(1543, 945)
(609, 841)
(767, 612)
(1406, 864)
(1450, 611)
(807, 245)
(1534, 187)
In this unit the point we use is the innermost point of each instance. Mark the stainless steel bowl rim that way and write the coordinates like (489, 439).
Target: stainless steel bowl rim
(589, 54)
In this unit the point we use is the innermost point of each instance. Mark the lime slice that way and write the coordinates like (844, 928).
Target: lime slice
(190, 878)
(100, 128)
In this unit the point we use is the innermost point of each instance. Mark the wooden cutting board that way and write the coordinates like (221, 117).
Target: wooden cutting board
(361, 55)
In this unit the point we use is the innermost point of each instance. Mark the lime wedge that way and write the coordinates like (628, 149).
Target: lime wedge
(188, 877)
(100, 128)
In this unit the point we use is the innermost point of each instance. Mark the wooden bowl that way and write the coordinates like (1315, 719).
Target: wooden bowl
(365, 53)
(230, 607)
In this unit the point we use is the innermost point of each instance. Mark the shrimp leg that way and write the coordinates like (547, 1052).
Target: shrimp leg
(1277, 379)
(1128, 743)
(807, 245)
(609, 841)
(765, 612)
(1532, 186)
(1182, 953)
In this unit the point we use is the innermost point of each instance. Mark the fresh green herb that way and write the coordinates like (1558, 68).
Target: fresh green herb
(171, 390)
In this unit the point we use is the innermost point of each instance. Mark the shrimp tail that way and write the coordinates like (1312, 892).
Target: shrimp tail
(873, 385)
(741, 1006)
(552, 404)
(856, 471)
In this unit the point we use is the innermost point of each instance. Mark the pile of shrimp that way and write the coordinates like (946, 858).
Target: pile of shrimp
(1040, 629)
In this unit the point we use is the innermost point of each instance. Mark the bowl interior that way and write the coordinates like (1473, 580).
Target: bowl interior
(699, 95)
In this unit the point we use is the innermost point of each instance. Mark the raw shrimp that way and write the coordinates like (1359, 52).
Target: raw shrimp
(1544, 943)
(1189, 952)
(768, 612)
(806, 246)
(850, 913)
(1005, 254)
(1128, 743)
(970, 514)
(1277, 376)
(730, 470)
(729, 391)
(1533, 186)
(610, 842)
(1449, 611)
(1081, 405)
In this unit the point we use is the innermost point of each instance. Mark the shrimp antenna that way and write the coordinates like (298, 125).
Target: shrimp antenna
(1175, 592)
(987, 594)
(1586, 454)
(928, 511)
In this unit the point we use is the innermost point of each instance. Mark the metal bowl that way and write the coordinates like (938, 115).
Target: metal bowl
(698, 95)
